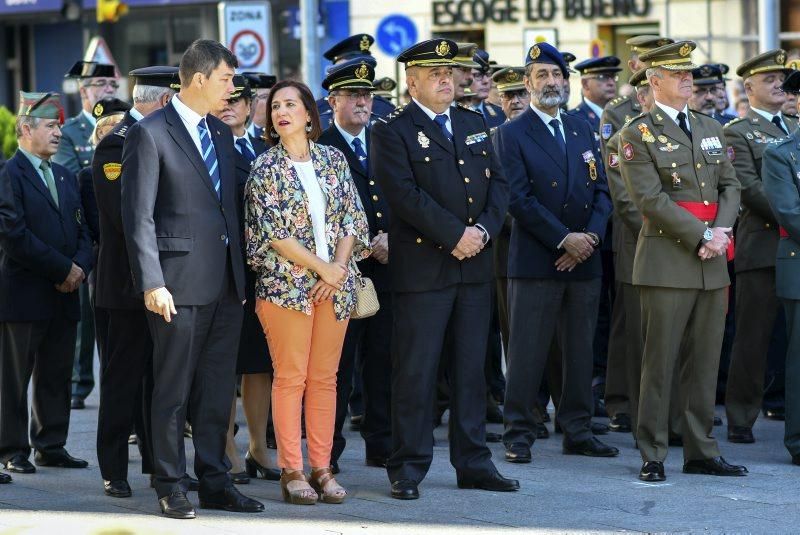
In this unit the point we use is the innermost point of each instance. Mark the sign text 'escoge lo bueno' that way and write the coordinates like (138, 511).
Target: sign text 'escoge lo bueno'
(457, 12)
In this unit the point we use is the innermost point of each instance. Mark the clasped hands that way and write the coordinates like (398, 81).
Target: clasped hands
(718, 244)
(332, 278)
(470, 244)
(73, 281)
(579, 246)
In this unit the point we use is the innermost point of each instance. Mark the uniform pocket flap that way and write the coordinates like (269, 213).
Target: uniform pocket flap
(673, 159)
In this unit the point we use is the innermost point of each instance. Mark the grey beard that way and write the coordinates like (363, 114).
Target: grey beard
(549, 101)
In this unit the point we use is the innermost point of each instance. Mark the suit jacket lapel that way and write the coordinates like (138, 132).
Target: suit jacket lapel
(341, 143)
(33, 177)
(574, 153)
(226, 178)
(541, 134)
(669, 127)
(430, 128)
(758, 121)
(459, 132)
(182, 138)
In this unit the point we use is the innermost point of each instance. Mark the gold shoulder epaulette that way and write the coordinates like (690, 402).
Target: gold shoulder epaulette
(467, 108)
(729, 123)
(617, 101)
(395, 113)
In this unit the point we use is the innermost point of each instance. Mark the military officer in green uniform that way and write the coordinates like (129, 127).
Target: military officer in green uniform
(616, 113)
(678, 174)
(781, 178)
(756, 239)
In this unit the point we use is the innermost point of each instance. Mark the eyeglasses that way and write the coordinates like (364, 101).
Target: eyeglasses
(103, 83)
(702, 91)
(511, 95)
(353, 97)
(477, 75)
(603, 77)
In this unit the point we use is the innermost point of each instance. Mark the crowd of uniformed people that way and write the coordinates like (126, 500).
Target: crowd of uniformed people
(476, 249)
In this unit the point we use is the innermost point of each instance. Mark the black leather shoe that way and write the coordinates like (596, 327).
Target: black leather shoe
(599, 429)
(405, 489)
(176, 505)
(493, 437)
(257, 470)
(494, 482)
(493, 414)
(620, 423)
(230, 499)
(518, 452)
(717, 421)
(541, 431)
(60, 460)
(740, 435)
(240, 478)
(716, 466)
(590, 448)
(20, 465)
(795, 459)
(376, 462)
(675, 441)
(77, 403)
(5, 478)
(775, 414)
(652, 471)
(116, 488)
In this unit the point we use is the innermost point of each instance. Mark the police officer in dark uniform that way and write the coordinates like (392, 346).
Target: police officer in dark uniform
(44, 257)
(448, 196)
(97, 80)
(720, 113)
(384, 87)
(705, 91)
(260, 84)
(368, 341)
(125, 377)
(598, 88)
(481, 84)
(355, 46)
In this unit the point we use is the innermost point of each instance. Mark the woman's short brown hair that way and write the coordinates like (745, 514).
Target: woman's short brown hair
(308, 101)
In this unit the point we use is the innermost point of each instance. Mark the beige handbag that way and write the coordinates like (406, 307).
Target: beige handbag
(366, 297)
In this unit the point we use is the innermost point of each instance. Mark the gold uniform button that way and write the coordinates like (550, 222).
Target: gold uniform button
(469, 220)
(374, 197)
(554, 184)
(791, 254)
(371, 182)
(484, 152)
(460, 162)
(705, 202)
(466, 179)
(470, 200)
(702, 184)
(766, 225)
(706, 222)
(427, 158)
(674, 164)
(699, 166)
(660, 231)
(585, 206)
(677, 241)
(378, 214)
(419, 240)
(717, 161)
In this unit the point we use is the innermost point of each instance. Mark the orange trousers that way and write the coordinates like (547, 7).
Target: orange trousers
(305, 356)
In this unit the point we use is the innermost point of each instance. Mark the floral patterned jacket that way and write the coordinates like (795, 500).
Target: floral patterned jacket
(276, 208)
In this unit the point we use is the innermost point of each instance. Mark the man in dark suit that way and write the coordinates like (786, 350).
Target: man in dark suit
(122, 332)
(560, 204)
(368, 341)
(45, 253)
(448, 196)
(179, 206)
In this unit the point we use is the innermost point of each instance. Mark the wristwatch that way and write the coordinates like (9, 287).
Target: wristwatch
(708, 235)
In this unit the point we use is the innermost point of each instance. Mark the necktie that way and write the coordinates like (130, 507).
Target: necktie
(683, 125)
(244, 149)
(558, 137)
(359, 150)
(209, 154)
(441, 120)
(779, 124)
(47, 171)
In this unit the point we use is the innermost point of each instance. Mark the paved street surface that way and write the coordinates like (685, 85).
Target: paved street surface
(559, 493)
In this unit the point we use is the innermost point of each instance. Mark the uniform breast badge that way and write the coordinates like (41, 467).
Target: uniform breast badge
(424, 141)
(588, 158)
(669, 147)
(647, 136)
(676, 180)
(662, 138)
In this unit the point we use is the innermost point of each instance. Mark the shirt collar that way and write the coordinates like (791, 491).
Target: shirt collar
(135, 114)
(546, 118)
(594, 107)
(767, 115)
(672, 112)
(88, 116)
(350, 137)
(186, 113)
(35, 160)
(429, 112)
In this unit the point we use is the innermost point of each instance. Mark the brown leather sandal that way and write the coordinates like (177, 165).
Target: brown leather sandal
(295, 497)
(319, 478)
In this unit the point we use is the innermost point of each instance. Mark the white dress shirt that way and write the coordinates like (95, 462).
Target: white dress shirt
(350, 137)
(594, 107)
(89, 117)
(546, 118)
(768, 116)
(190, 120)
(316, 205)
(135, 114)
(673, 114)
(432, 114)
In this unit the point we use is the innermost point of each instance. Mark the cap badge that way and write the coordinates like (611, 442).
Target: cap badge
(685, 50)
(442, 49)
(512, 76)
(386, 85)
(362, 71)
(535, 52)
(364, 44)
(98, 110)
(780, 57)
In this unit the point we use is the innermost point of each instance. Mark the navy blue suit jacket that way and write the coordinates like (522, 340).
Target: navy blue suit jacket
(551, 196)
(40, 243)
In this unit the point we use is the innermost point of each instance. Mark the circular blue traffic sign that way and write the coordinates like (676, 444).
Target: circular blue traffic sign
(395, 33)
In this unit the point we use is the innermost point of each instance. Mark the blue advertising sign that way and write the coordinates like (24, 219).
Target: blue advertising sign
(29, 6)
(92, 4)
(395, 33)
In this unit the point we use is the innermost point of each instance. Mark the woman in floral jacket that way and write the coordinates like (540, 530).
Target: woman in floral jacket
(305, 228)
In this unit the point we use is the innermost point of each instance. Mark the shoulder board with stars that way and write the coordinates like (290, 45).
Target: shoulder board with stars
(617, 101)
(733, 122)
(395, 114)
(122, 132)
(466, 108)
(701, 113)
(634, 119)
